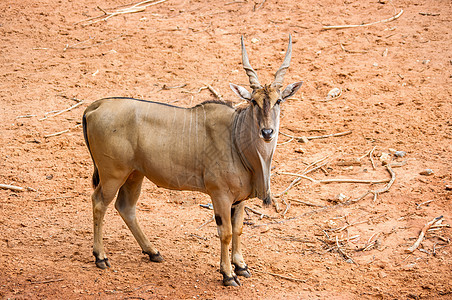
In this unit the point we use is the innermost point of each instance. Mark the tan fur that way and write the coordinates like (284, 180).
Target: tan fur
(210, 148)
(266, 97)
(176, 148)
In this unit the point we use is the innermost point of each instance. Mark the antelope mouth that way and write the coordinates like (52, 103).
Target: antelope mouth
(267, 140)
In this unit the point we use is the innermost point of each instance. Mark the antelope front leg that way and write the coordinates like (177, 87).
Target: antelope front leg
(241, 268)
(223, 219)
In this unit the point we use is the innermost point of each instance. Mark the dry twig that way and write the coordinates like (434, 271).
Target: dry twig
(315, 168)
(308, 138)
(306, 170)
(53, 198)
(337, 180)
(276, 204)
(347, 258)
(198, 237)
(291, 185)
(235, 2)
(280, 144)
(429, 14)
(418, 206)
(214, 92)
(371, 157)
(352, 51)
(331, 241)
(371, 242)
(364, 25)
(261, 215)
(393, 177)
(207, 222)
(56, 113)
(382, 190)
(287, 207)
(211, 89)
(46, 281)
(138, 7)
(306, 203)
(303, 175)
(422, 234)
(280, 276)
(165, 87)
(61, 132)
(11, 187)
(350, 180)
(258, 7)
(329, 135)
(26, 116)
(339, 229)
(99, 43)
(137, 288)
(345, 180)
(438, 225)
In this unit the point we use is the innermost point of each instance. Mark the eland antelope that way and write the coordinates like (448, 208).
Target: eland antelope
(212, 147)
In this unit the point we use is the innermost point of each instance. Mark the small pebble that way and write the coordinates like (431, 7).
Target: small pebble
(299, 150)
(334, 93)
(385, 158)
(303, 139)
(400, 153)
(265, 229)
(341, 197)
(427, 172)
(448, 187)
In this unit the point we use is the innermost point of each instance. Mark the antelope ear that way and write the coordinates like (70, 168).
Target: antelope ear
(241, 92)
(290, 90)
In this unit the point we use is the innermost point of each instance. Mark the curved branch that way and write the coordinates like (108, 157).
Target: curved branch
(364, 25)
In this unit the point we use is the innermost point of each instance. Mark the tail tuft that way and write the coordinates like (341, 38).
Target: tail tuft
(95, 177)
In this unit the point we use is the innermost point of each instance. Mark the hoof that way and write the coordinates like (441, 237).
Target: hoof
(102, 263)
(154, 257)
(231, 281)
(242, 271)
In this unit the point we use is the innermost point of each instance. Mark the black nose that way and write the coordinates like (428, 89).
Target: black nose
(267, 133)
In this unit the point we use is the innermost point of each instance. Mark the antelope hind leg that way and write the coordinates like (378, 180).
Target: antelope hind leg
(103, 195)
(126, 206)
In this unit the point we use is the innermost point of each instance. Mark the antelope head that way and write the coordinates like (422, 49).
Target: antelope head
(265, 100)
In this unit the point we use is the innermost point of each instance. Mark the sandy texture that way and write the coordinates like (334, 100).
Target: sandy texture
(396, 85)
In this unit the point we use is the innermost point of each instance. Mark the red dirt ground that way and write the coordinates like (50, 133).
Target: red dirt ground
(396, 87)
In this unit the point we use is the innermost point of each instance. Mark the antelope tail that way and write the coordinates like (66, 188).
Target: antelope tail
(96, 179)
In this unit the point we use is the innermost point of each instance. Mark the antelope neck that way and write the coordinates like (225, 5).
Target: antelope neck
(255, 154)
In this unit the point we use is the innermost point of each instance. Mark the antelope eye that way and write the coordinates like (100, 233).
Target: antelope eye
(278, 101)
(253, 102)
